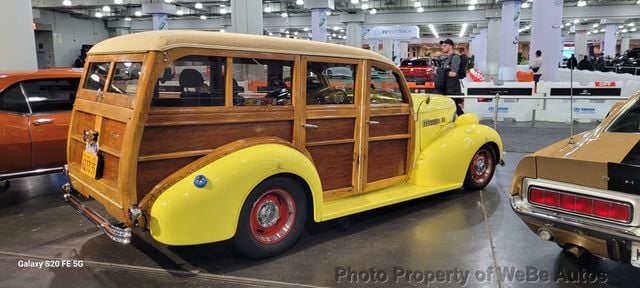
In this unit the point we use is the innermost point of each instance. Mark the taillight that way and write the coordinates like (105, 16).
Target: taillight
(594, 207)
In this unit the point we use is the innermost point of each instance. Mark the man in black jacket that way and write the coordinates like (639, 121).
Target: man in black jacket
(584, 64)
(447, 81)
(573, 62)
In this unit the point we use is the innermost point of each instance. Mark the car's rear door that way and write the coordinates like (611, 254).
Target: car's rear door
(51, 101)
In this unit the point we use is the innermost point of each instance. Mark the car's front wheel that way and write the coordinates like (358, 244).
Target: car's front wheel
(272, 218)
(481, 169)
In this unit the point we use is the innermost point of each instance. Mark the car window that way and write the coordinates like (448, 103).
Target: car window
(192, 81)
(628, 121)
(125, 78)
(260, 82)
(96, 76)
(330, 83)
(385, 87)
(48, 95)
(12, 100)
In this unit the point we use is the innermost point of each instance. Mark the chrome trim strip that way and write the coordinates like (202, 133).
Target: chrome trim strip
(522, 208)
(29, 173)
(121, 235)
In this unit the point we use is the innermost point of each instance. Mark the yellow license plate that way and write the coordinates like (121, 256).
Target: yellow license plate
(90, 164)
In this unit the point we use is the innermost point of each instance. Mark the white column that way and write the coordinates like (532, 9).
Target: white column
(404, 49)
(18, 40)
(387, 49)
(545, 36)
(624, 45)
(493, 48)
(481, 50)
(509, 25)
(319, 24)
(246, 16)
(580, 44)
(160, 21)
(610, 40)
(397, 54)
(354, 34)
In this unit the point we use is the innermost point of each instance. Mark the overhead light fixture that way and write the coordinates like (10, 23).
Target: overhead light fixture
(287, 32)
(420, 10)
(168, 1)
(602, 30)
(631, 24)
(67, 3)
(300, 2)
(203, 17)
(106, 8)
(634, 29)
(199, 5)
(328, 13)
(336, 28)
(364, 6)
(373, 11)
(596, 25)
(417, 4)
(473, 2)
(334, 35)
(117, 2)
(180, 12)
(305, 29)
(624, 31)
(354, 1)
(284, 14)
(589, 33)
(638, 2)
(567, 24)
(223, 31)
(433, 31)
(98, 15)
(576, 21)
(342, 31)
(525, 5)
(582, 3)
(270, 33)
(138, 13)
(127, 19)
(462, 30)
(295, 33)
(267, 9)
(223, 10)
(621, 26)
(471, 7)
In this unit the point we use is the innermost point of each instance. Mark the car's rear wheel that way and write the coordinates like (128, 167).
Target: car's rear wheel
(272, 218)
(481, 169)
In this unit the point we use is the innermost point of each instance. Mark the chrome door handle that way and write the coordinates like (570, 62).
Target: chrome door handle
(373, 122)
(307, 125)
(42, 121)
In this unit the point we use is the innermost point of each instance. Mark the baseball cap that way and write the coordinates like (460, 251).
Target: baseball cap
(447, 41)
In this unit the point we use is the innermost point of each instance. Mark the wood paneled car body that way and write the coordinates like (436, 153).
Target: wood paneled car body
(202, 137)
(35, 108)
(585, 195)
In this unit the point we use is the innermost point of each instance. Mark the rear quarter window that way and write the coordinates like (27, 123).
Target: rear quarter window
(628, 121)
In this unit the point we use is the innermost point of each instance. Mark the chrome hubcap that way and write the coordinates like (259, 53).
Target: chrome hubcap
(268, 214)
(481, 166)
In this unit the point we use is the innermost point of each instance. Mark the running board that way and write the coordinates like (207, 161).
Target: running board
(367, 201)
(36, 172)
(121, 235)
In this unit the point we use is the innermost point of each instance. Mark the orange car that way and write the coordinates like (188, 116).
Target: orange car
(35, 109)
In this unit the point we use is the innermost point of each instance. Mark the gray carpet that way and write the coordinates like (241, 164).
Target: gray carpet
(529, 137)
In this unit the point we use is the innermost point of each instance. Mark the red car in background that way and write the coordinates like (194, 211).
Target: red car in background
(35, 110)
(419, 70)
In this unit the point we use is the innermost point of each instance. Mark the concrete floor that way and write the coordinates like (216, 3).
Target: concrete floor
(458, 231)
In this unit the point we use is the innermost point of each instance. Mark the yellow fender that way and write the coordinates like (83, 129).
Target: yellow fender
(446, 159)
(183, 214)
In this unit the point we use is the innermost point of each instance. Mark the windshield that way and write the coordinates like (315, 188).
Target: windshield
(628, 121)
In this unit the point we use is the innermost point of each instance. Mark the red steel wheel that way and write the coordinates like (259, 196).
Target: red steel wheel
(272, 216)
(481, 169)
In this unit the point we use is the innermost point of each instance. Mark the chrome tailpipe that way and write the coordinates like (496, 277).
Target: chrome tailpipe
(121, 235)
(574, 251)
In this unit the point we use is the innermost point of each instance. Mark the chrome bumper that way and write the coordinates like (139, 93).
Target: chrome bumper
(567, 222)
(122, 235)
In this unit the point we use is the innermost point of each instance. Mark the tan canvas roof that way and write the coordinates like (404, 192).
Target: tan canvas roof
(168, 39)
